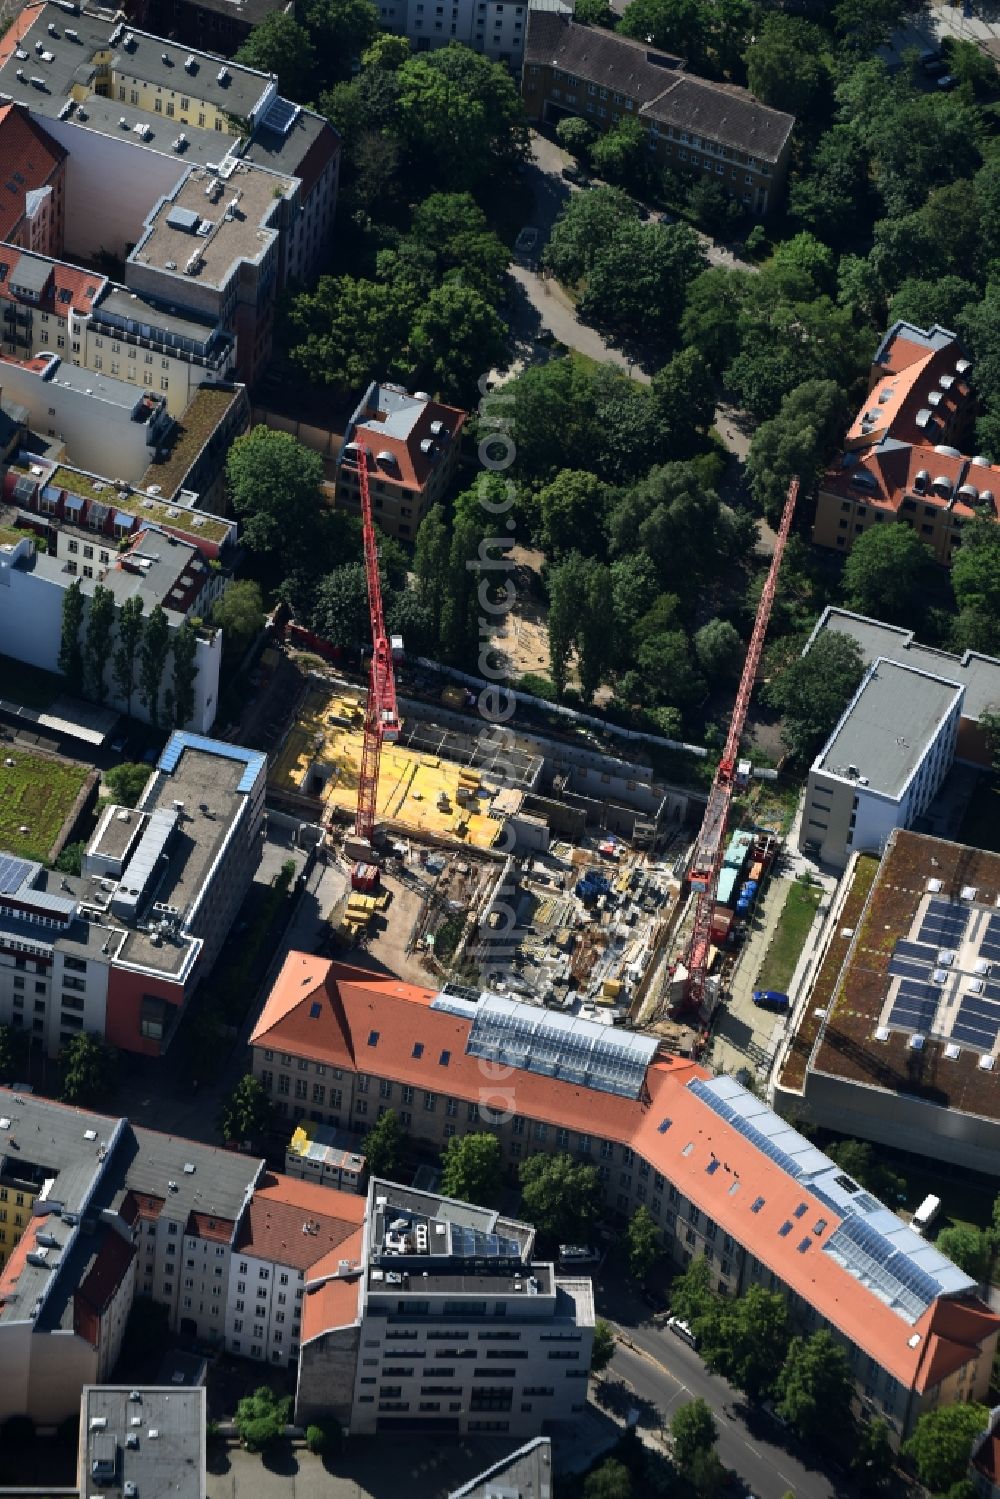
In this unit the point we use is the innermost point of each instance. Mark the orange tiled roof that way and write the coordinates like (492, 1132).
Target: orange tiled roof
(28, 158)
(273, 1226)
(19, 29)
(371, 1022)
(334, 1302)
(18, 1257)
(412, 467)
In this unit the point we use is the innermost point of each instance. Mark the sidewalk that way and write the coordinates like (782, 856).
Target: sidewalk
(743, 1034)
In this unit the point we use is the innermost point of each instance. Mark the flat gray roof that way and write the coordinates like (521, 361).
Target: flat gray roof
(525, 1474)
(167, 1427)
(887, 726)
(217, 1187)
(980, 675)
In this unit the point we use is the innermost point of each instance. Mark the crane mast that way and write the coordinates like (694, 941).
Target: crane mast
(381, 715)
(707, 861)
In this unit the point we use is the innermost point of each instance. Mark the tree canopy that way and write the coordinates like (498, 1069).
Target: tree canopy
(246, 1112)
(815, 689)
(887, 573)
(815, 1385)
(561, 1197)
(942, 1441)
(472, 1169)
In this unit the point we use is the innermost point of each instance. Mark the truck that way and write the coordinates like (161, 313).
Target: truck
(925, 1214)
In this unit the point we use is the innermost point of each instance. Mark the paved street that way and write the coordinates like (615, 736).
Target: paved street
(664, 1373)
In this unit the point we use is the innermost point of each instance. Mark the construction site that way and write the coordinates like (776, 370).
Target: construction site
(541, 867)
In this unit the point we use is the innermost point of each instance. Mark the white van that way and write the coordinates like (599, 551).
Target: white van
(925, 1214)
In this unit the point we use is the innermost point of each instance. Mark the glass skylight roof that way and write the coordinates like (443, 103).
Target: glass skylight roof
(563, 1046)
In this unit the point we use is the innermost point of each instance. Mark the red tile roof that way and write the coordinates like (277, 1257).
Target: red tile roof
(297, 1223)
(412, 467)
(332, 1303)
(28, 158)
(85, 288)
(108, 1270)
(19, 29)
(369, 1023)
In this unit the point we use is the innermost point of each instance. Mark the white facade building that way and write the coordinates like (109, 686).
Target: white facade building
(884, 762)
(496, 28)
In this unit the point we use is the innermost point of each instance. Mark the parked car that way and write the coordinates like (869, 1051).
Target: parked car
(526, 241)
(771, 999)
(574, 173)
(578, 1255)
(770, 1409)
(683, 1330)
(947, 83)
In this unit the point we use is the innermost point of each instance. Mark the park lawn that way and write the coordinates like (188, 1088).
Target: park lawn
(981, 823)
(37, 794)
(789, 937)
(28, 685)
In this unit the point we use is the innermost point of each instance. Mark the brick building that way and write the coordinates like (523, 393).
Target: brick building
(693, 124)
(412, 445)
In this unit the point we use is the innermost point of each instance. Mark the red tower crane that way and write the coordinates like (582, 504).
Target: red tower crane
(707, 860)
(381, 716)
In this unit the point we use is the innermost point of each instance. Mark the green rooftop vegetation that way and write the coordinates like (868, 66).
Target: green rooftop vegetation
(146, 507)
(200, 420)
(36, 794)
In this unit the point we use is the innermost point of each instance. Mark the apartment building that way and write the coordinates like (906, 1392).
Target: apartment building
(32, 211)
(721, 1173)
(904, 453)
(118, 951)
(146, 564)
(691, 124)
(119, 1211)
(497, 28)
(883, 764)
(217, 25)
(287, 1228)
(136, 115)
(436, 1317)
(412, 446)
(978, 674)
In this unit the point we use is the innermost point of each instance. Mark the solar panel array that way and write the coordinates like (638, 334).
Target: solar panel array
(990, 946)
(978, 1018)
(873, 1259)
(578, 1051)
(12, 873)
(944, 924)
(915, 1005)
(470, 1244)
(744, 1127)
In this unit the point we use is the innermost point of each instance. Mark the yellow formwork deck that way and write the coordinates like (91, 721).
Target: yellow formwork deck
(329, 732)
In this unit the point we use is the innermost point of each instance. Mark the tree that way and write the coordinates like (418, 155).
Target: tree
(800, 440)
(340, 613)
(586, 222)
(573, 509)
(621, 154)
(887, 573)
(153, 652)
(813, 692)
(13, 1053)
(941, 299)
(383, 1145)
(70, 652)
(239, 614)
(640, 278)
(746, 1339)
(278, 44)
(261, 1418)
(455, 335)
(70, 859)
(87, 1071)
(975, 568)
(185, 672)
(684, 393)
(603, 1346)
(873, 1459)
(340, 31)
(787, 65)
(275, 486)
(966, 1247)
(576, 136)
(720, 651)
(815, 1386)
(857, 1159)
(561, 1198)
(246, 1112)
(460, 117)
(643, 1242)
(351, 330)
(563, 600)
(970, 65)
(129, 636)
(100, 623)
(127, 782)
(691, 1294)
(692, 1430)
(612, 1480)
(676, 26)
(942, 1441)
(472, 1169)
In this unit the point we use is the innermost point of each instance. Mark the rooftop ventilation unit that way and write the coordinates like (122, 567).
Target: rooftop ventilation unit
(934, 886)
(969, 493)
(963, 366)
(421, 395)
(916, 1043)
(923, 416)
(921, 479)
(935, 398)
(946, 382)
(952, 1052)
(969, 892)
(986, 1064)
(129, 42)
(222, 76)
(942, 484)
(189, 63)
